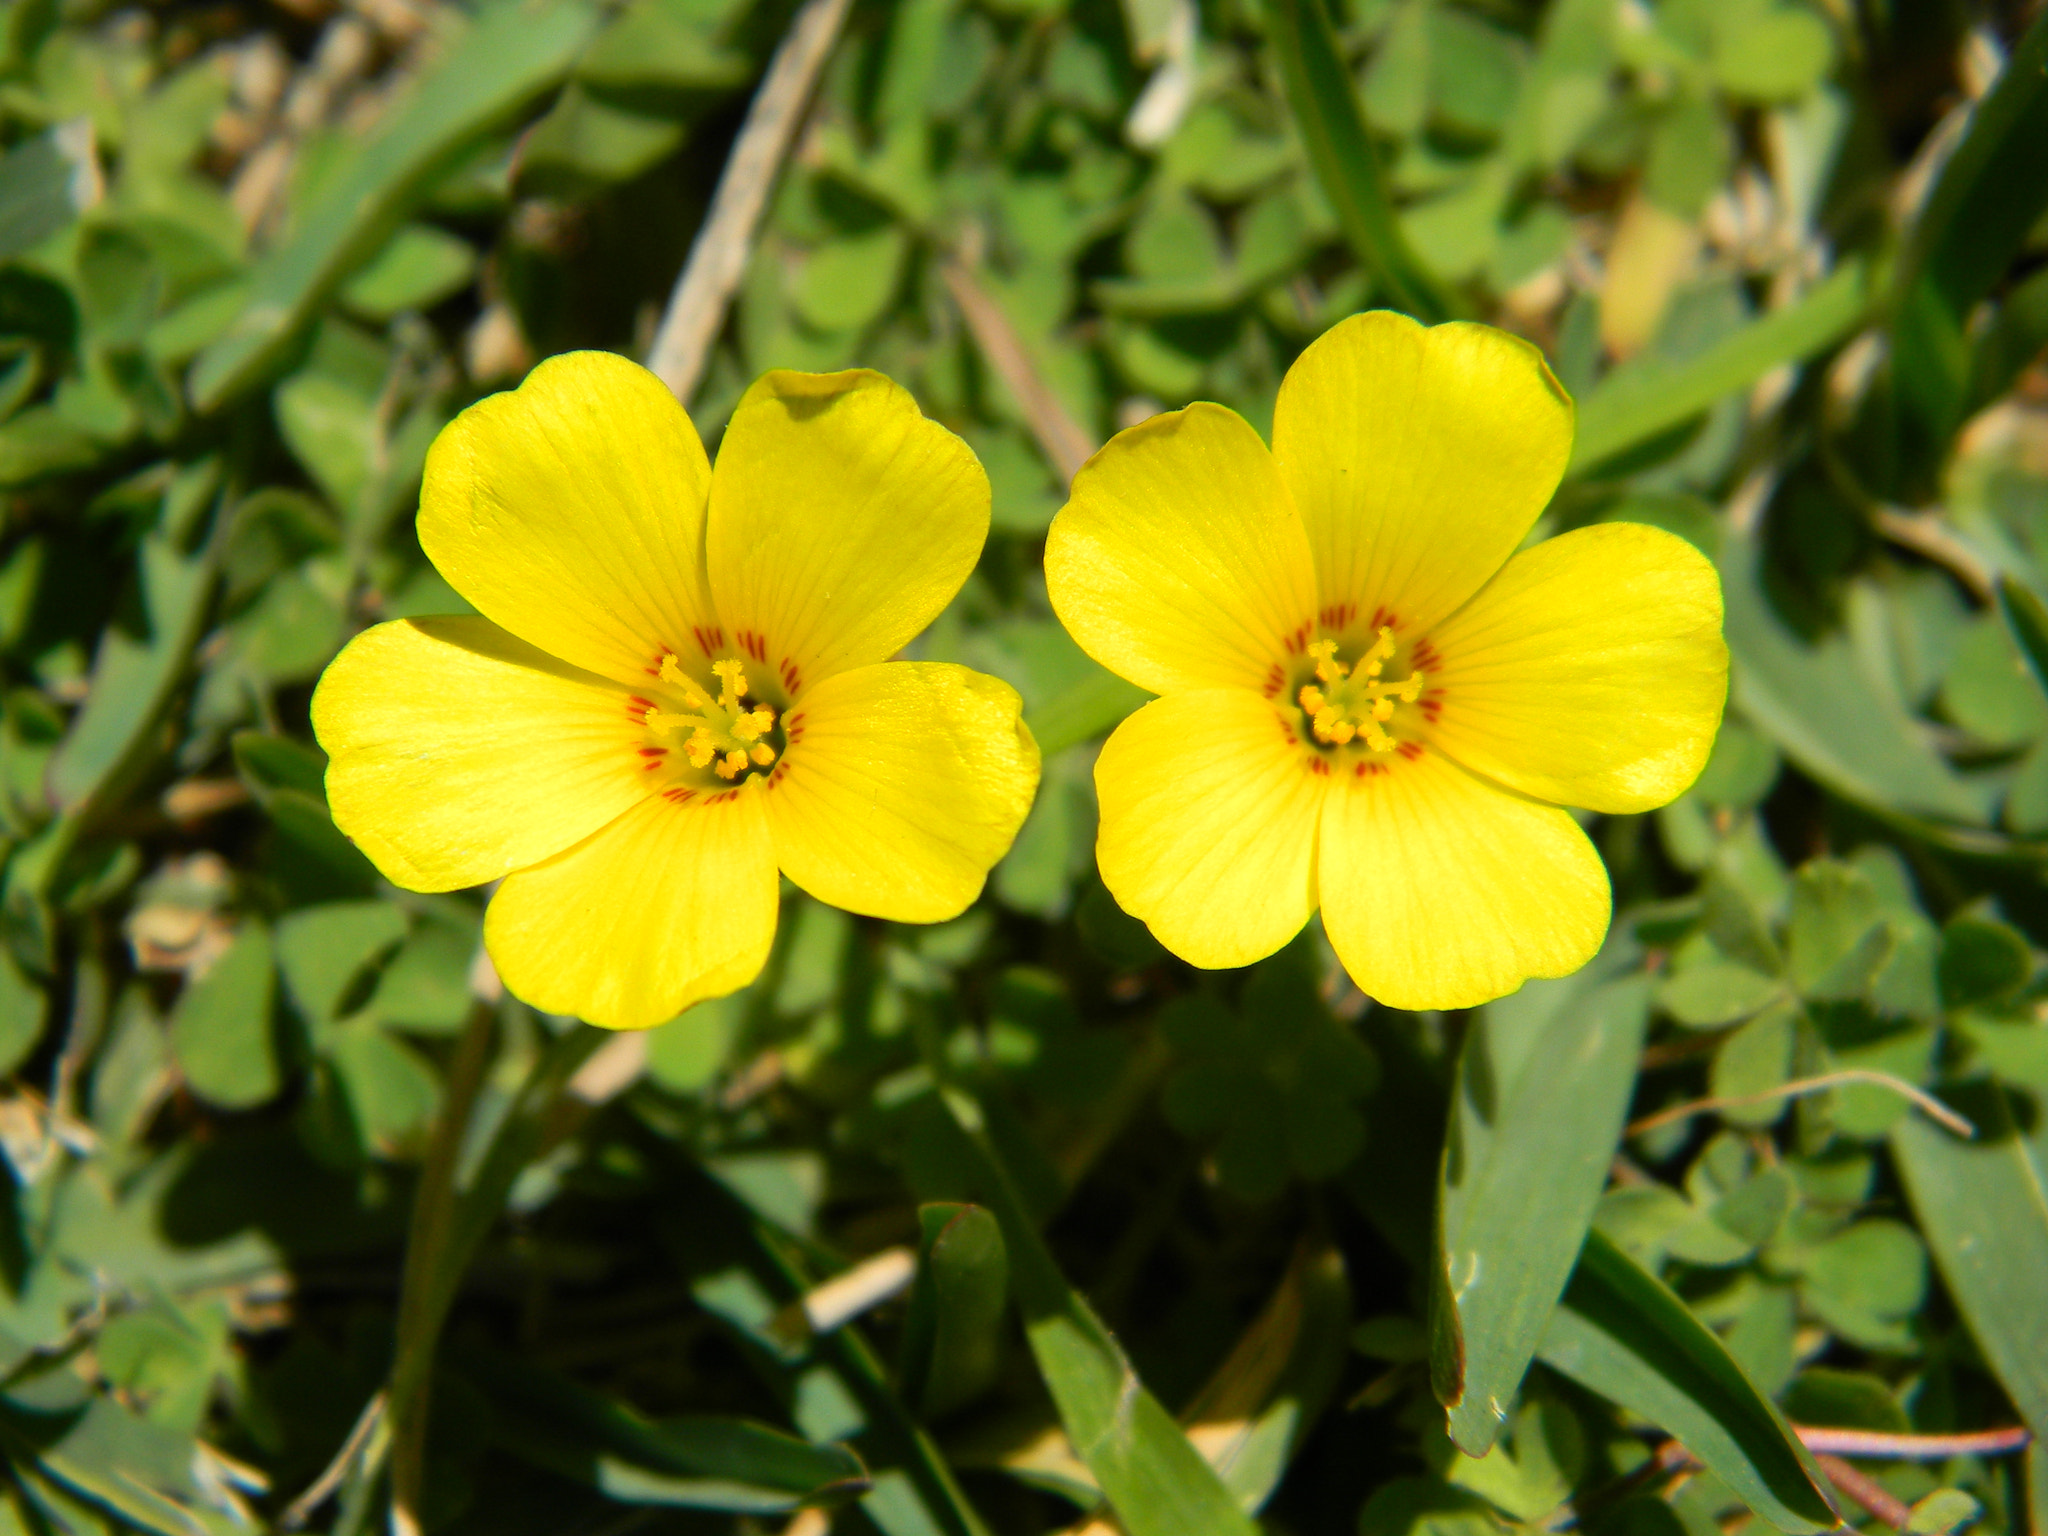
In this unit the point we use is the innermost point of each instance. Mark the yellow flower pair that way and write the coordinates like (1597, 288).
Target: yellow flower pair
(680, 680)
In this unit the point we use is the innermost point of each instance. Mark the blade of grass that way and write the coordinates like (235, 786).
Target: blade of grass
(1155, 1480)
(1333, 128)
(1989, 195)
(1621, 1333)
(1635, 403)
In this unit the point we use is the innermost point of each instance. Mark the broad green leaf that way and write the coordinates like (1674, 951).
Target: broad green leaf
(1636, 403)
(221, 1031)
(1154, 1478)
(1819, 703)
(951, 1337)
(1621, 1333)
(1984, 1211)
(509, 56)
(1520, 1180)
(1332, 126)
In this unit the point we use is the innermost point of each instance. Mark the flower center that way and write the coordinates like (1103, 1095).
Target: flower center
(733, 735)
(1344, 703)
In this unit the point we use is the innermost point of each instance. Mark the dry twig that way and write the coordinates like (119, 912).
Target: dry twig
(718, 258)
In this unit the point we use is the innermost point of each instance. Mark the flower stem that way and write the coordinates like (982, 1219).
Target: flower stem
(421, 1301)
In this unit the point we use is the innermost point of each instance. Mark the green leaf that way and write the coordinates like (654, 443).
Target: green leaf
(322, 950)
(1711, 993)
(1990, 193)
(44, 184)
(1620, 1332)
(270, 763)
(951, 1337)
(1332, 126)
(1983, 1209)
(1520, 1180)
(23, 1008)
(1942, 1511)
(1982, 961)
(1818, 702)
(510, 55)
(1155, 1479)
(1085, 709)
(2027, 617)
(695, 1463)
(420, 267)
(1650, 396)
(133, 681)
(221, 1031)
(392, 1092)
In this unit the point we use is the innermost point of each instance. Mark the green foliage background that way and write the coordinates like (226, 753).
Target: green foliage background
(1631, 1227)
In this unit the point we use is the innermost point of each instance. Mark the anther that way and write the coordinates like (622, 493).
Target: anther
(734, 677)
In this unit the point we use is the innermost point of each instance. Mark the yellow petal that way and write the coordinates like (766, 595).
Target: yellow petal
(458, 752)
(571, 511)
(842, 521)
(1440, 890)
(667, 906)
(1208, 832)
(1419, 458)
(1590, 671)
(904, 783)
(1179, 561)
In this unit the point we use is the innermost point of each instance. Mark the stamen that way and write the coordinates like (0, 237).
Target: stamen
(673, 674)
(1353, 703)
(734, 677)
(725, 735)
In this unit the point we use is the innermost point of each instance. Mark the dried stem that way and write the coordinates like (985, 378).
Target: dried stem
(1925, 1102)
(1866, 1492)
(718, 258)
(1065, 443)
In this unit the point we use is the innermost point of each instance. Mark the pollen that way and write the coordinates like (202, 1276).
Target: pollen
(1348, 703)
(729, 734)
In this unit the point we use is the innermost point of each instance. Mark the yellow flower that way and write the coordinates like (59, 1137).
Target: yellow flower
(679, 683)
(1370, 702)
